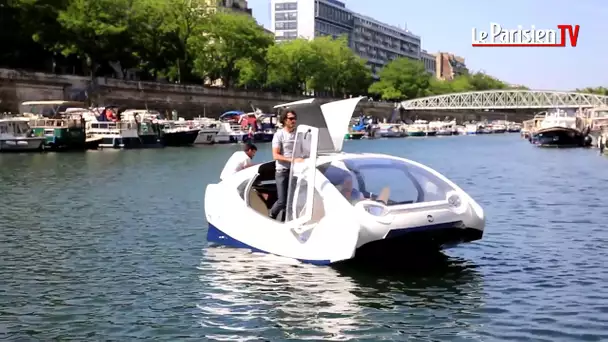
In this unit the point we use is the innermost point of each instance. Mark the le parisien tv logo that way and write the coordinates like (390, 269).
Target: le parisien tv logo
(497, 36)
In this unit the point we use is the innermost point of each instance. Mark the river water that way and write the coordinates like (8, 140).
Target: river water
(110, 245)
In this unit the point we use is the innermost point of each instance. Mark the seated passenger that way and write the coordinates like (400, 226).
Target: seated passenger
(239, 160)
(343, 181)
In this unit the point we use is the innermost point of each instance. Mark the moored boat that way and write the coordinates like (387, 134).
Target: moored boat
(560, 128)
(60, 122)
(597, 121)
(208, 129)
(127, 130)
(230, 130)
(417, 129)
(388, 130)
(178, 133)
(17, 136)
(498, 127)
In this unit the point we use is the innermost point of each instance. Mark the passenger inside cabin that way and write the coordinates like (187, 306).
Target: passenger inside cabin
(342, 179)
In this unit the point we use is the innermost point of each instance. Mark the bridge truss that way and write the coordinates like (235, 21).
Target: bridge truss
(506, 99)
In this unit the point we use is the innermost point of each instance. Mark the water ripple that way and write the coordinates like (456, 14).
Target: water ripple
(111, 246)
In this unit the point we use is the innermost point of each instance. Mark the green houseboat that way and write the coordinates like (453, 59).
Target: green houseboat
(62, 130)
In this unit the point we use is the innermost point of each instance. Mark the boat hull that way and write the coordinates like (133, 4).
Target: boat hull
(259, 137)
(416, 134)
(354, 136)
(22, 145)
(130, 143)
(205, 138)
(397, 243)
(180, 138)
(559, 137)
(62, 138)
(92, 143)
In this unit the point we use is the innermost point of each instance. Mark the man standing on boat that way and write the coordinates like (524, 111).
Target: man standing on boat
(282, 151)
(239, 160)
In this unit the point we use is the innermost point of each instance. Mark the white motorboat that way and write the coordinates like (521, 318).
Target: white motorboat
(417, 129)
(393, 204)
(473, 128)
(387, 130)
(16, 135)
(208, 129)
(134, 130)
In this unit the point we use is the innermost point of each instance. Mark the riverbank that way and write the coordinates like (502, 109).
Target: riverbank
(189, 100)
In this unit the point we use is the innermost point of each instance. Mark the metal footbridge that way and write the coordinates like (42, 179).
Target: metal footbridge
(506, 99)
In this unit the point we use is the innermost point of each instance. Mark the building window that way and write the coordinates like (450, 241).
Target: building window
(291, 34)
(286, 6)
(286, 25)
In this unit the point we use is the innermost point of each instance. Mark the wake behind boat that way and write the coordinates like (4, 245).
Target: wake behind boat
(400, 205)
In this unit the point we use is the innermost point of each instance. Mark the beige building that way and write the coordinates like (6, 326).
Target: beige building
(449, 66)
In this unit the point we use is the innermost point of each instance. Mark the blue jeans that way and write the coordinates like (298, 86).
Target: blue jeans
(282, 179)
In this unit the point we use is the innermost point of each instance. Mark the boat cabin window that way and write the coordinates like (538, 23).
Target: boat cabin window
(3, 128)
(391, 181)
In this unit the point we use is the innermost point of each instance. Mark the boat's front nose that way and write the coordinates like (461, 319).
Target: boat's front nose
(477, 218)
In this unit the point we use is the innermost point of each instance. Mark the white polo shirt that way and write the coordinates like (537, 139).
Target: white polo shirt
(238, 161)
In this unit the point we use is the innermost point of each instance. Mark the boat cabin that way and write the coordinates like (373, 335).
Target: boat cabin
(48, 109)
(378, 183)
(597, 118)
(11, 127)
(560, 118)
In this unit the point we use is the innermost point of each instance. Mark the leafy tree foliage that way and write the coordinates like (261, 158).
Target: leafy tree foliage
(179, 40)
(404, 78)
(591, 90)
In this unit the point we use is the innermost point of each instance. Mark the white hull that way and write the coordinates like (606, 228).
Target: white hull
(21, 144)
(342, 206)
(205, 138)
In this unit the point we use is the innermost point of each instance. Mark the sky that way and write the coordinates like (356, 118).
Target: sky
(446, 25)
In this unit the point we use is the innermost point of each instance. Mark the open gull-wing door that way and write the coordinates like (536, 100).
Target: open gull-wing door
(337, 115)
(300, 193)
(331, 119)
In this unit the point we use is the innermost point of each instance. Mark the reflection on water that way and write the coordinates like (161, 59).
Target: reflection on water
(257, 292)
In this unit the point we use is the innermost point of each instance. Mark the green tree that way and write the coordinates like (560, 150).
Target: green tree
(96, 30)
(401, 79)
(290, 65)
(29, 31)
(591, 90)
(152, 44)
(481, 81)
(340, 71)
(229, 38)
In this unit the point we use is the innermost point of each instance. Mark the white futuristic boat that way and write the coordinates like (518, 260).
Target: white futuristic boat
(340, 205)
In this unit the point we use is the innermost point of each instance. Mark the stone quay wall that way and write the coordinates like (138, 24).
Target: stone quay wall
(189, 100)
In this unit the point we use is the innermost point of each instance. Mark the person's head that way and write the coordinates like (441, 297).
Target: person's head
(346, 188)
(288, 119)
(250, 149)
(341, 179)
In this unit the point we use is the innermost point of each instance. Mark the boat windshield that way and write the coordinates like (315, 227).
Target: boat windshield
(404, 182)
